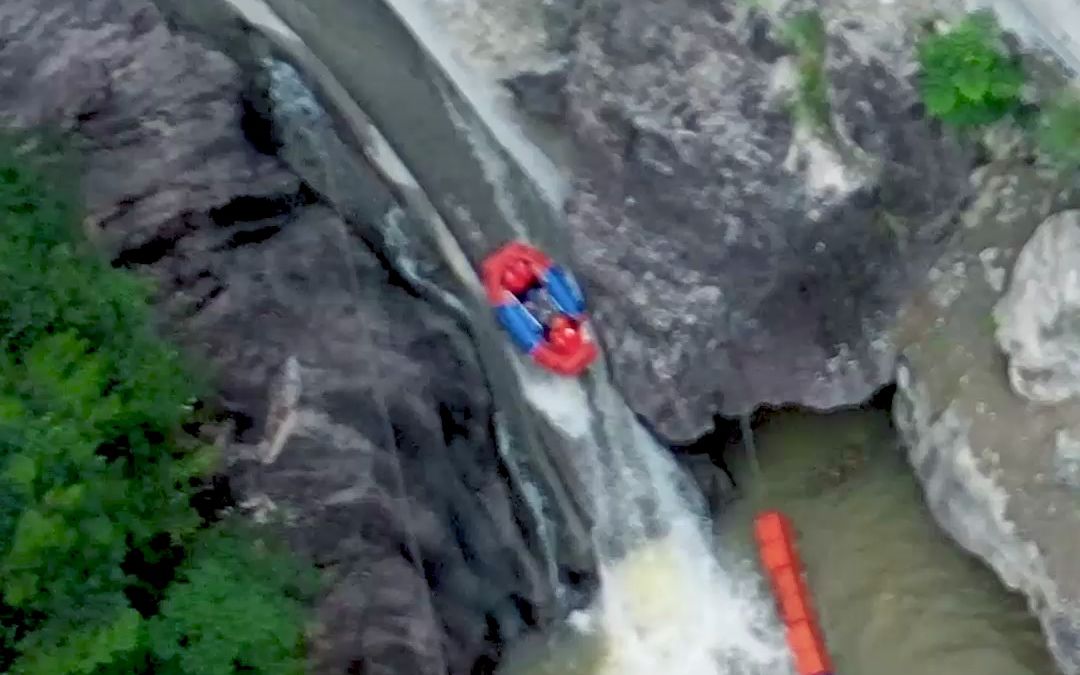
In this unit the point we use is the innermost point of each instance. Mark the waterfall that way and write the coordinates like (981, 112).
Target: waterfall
(665, 600)
(747, 431)
(668, 602)
(669, 599)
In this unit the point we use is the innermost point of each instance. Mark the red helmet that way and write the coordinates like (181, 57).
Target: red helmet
(564, 335)
(518, 276)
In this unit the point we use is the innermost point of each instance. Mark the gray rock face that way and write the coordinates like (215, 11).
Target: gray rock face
(541, 92)
(1067, 459)
(369, 440)
(99, 68)
(732, 257)
(1039, 318)
(362, 426)
(562, 19)
(999, 472)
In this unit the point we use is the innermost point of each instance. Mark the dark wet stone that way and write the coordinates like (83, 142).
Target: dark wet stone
(764, 41)
(541, 92)
(363, 423)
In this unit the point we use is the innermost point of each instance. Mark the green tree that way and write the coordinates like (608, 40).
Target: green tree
(96, 470)
(225, 612)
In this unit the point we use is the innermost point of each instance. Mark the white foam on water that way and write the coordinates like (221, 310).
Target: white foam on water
(668, 608)
(560, 400)
(666, 603)
(669, 605)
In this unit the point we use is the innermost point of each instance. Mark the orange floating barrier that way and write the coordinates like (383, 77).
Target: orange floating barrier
(775, 537)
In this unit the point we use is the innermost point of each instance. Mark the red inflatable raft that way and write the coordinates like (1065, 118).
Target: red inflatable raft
(519, 278)
(775, 537)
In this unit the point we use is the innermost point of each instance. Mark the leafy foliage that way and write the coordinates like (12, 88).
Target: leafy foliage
(1058, 131)
(225, 610)
(967, 79)
(805, 33)
(96, 471)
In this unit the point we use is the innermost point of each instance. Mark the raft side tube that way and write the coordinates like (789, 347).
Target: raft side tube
(493, 267)
(564, 292)
(525, 331)
(566, 364)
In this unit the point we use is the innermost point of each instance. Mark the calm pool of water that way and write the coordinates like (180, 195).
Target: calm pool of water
(893, 594)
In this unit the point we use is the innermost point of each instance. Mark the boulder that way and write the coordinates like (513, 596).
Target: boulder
(981, 398)
(361, 424)
(737, 254)
(541, 92)
(1039, 317)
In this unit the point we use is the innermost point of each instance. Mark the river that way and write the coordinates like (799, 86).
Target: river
(672, 597)
(894, 595)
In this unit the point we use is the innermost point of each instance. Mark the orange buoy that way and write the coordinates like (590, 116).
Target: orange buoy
(775, 537)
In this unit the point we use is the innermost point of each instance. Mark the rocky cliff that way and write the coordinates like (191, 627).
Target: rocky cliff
(755, 199)
(360, 420)
(985, 402)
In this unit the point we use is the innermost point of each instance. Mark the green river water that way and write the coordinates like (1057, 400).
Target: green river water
(894, 595)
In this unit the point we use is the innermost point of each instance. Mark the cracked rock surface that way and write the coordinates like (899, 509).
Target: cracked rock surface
(362, 423)
(999, 469)
(734, 256)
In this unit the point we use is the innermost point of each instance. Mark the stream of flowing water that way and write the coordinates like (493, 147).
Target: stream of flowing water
(672, 599)
(666, 600)
(897, 595)
(894, 595)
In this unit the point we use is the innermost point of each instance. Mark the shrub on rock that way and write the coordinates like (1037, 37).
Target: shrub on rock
(967, 78)
(99, 544)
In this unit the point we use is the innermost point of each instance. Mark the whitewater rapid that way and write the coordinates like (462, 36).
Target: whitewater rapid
(668, 600)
